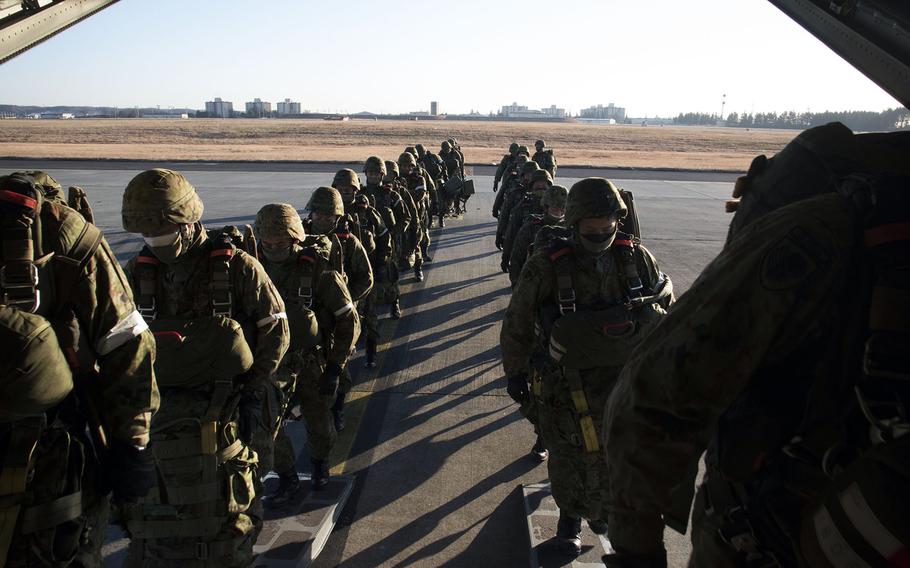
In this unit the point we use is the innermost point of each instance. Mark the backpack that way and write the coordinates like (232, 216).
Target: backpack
(315, 258)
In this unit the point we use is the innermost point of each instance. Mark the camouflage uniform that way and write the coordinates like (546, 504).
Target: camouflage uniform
(370, 228)
(83, 295)
(529, 204)
(189, 279)
(562, 277)
(418, 235)
(396, 217)
(504, 164)
(435, 169)
(514, 196)
(53, 191)
(314, 370)
(554, 199)
(511, 180)
(545, 158)
(760, 361)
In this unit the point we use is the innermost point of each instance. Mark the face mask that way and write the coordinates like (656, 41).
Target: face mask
(323, 226)
(167, 248)
(374, 178)
(276, 254)
(597, 243)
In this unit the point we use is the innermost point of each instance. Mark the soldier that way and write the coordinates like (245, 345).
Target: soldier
(388, 202)
(327, 218)
(61, 280)
(434, 168)
(528, 204)
(377, 240)
(414, 181)
(222, 331)
(53, 191)
(783, 359)
(514, 195)
(504, 164)
(593, 295)
(545, 158)
(324, 328)
(554, 206)
(511, 179)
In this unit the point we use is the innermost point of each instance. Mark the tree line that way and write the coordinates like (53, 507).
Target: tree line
(891, 119)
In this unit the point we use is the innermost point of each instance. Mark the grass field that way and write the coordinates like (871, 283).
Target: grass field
(320, 140)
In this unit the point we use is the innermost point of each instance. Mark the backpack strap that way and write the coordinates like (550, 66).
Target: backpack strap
(147, 273)
(19, 274)
(624, 247)
(560, 252)
(220, 258)
(306, 261)
(70, 265)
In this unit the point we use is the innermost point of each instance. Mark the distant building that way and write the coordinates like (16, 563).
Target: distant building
(418, 113)
(288, 107)
(554, 112)
(434, 108)
(512, 109)
(56, 115)
(605, 112)
(219, 108)
(258, 108)
(516, 110)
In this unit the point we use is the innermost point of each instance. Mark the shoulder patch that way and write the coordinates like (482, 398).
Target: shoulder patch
(791, 260)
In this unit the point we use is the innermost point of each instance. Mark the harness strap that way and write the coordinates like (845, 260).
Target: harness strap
(23, 438)
(580, 401)
(209, 426)
(147, 273)
(565, 289)
(51, 514)
(624, 245)
(220, 285)
(206, 527)
(187, 494)
(307, 262)
(202, 550)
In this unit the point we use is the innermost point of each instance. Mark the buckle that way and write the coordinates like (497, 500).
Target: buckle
(306, 297)
(24, 286)
(223, 307)
(202, 551)
(149, 312)
(566, 301)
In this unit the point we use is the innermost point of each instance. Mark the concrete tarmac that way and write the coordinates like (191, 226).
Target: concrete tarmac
(437, 448)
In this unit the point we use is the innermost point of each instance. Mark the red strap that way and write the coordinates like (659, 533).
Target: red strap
(885, 234)
(18, 199)
(175, 334)
(624, 243)
(147, 260)
(609, 326)
(561, 252)
(343, 235)
(228, 252)
(306, 258)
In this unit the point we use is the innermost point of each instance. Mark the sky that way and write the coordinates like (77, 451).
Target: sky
(653, 57)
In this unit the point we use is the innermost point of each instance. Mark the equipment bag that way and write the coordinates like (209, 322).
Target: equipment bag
(194, 352)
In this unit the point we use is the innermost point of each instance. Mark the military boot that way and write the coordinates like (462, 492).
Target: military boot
(442, 221)
(320, 476)
(598, 526)
(395, 311)
(288, 486)
(338, 412)
(418, 273)
(568, 535)
(424, 252)
(539, 450)
(371, 354)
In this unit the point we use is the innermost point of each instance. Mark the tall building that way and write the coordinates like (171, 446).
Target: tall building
(434, 108)
(219, 108)
(610, 111)
(258, 108)
(287, 106)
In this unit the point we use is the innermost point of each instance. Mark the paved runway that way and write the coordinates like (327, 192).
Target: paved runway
(437, 448)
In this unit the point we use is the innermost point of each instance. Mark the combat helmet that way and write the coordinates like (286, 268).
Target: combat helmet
(513, 147)
(529, 168)
(524, 150)
(346, 177)
(406, 158)
(541, 175)
(593, 197)
(374, 163)
(392, 171)
(539, 144)
(555, 197)
(326, 200)
(278, 220)
(446, 146)
(157, 197)
(410, 150)
(421, 151)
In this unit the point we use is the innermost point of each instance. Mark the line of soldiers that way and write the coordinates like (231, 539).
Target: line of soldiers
(785, 364)
(167, 383)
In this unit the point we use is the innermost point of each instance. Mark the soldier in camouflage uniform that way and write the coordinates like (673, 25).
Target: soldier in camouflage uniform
(377, 240)
(300, 267)
(59, 267)
(395, 215)
(205, 433)
(545, 158)
(53, 191)
(554, 206)
(528, 205)
(327, 217)
(435, 169)
(514, 196)
(414, 181)
(778, 360)
(504, 164)
(511, 180)
(593, 295)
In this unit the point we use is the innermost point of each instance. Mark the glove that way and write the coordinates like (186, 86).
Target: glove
(131, 471)
(495, 187)
(504, 265)
(328, 381)
(652, 560)
(499, 241)
(251, 413)
(496, 214)
(517, 388)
